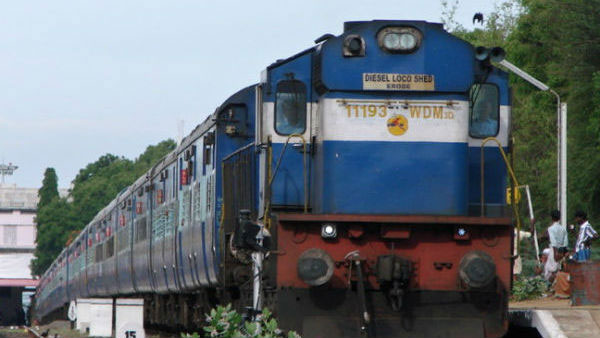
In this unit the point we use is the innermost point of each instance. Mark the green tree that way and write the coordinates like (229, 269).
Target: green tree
(565, 55)
(152, 155)
(558, 42)
(49, 189)
(93, 188)
(55, 222)
(533, 112)
(98, 183)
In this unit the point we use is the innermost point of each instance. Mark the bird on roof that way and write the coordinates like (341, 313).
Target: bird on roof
(478, 17)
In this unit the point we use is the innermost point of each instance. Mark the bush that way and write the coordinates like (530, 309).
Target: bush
(225, 322)
(529, 288)
(529, 266)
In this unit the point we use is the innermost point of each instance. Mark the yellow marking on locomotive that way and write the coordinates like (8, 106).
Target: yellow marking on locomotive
(397, 125)
(430, 112)
(371, 110)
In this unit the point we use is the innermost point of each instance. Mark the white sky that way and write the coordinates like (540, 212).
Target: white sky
(79, 79)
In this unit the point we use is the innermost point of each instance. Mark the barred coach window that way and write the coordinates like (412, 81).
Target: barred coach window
(290, 107)
(484, 102)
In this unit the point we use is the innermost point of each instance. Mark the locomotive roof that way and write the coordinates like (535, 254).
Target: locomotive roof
(350, 26)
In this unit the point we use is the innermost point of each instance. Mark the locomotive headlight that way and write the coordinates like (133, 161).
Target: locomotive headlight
(395, 41)
(461, 233)
(399, 39)
(328, 230)
(354, 45)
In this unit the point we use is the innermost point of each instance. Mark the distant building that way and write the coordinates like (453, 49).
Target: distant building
(18, 208)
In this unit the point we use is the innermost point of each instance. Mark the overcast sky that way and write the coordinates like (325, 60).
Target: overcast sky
(79, 79)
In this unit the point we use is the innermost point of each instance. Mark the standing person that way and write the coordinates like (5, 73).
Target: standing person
(559, 241)
(585, 237)
(557, 233)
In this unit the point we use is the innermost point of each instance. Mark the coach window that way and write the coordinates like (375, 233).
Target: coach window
(290, 107)
(484, 110)
(208, 146)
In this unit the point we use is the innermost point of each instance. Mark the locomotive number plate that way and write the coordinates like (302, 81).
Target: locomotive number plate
(391, 81)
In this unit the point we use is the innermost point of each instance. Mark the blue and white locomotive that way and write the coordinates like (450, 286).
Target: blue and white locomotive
(361, 156)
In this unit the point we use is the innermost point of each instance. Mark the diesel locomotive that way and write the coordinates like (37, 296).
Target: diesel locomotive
(358, 163)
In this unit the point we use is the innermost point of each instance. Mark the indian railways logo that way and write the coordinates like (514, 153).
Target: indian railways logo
(397, 125)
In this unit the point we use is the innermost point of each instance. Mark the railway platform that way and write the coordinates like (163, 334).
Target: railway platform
(556, 318)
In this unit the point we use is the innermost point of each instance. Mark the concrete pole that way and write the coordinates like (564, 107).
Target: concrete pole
(558, 150)
(563, 163)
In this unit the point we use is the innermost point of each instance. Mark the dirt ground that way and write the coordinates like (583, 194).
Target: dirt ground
(14, 332)
(549, 303)
(62, 329)
(58, 329)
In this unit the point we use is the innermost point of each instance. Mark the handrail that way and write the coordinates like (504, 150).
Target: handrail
(305, 174)
(269, 165)
(239, 150)
(512, 176)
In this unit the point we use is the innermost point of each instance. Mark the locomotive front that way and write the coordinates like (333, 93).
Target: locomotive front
(362, 156)
(372, 185)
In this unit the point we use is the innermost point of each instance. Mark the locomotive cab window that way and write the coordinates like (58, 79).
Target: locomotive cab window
(290, 107)
(484, 110)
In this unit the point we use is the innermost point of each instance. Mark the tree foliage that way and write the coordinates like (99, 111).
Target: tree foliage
(556, 41)
(49, 189)
(566, 56)
(55, 222)
(59, 220)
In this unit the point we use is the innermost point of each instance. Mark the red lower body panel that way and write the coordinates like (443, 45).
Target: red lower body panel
(435, 247)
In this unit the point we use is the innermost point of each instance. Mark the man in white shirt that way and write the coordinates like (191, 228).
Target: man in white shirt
(586, 235)
(557, 233)
(559, 239)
